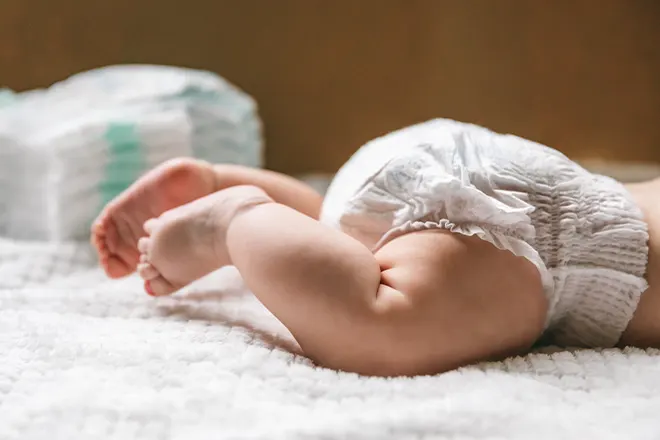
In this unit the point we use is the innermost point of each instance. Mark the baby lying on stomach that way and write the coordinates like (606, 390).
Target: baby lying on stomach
(437, 246)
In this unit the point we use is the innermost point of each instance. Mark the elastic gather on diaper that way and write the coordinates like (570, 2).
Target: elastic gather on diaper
(594, 241)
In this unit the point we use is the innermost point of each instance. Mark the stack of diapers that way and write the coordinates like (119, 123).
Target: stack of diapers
(68, 150)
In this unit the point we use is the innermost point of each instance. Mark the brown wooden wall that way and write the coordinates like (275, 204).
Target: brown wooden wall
(580, 75)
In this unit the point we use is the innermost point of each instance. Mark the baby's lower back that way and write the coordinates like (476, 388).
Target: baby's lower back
(644, 328)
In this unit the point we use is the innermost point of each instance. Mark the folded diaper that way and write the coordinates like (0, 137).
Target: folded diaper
(68, 150)
(6, 96)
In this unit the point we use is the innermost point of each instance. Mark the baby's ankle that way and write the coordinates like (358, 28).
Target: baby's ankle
(238, 201)
(250, 197)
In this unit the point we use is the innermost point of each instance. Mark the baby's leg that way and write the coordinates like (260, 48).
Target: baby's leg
(426, 302)
(176, 182)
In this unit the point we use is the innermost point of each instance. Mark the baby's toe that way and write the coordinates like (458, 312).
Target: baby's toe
(147, 271)
(143, 245)
(159, 286)
(150, 225)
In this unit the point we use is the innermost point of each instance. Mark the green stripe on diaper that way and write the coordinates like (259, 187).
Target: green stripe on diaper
(7, 97)
(125, 159)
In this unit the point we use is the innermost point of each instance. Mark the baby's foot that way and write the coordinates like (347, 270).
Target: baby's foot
(116, 231)
(188, 242)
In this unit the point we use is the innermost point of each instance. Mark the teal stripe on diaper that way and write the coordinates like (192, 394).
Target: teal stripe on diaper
(126, 160)
(7, 97)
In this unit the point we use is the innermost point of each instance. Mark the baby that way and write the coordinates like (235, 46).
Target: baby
(437, 246)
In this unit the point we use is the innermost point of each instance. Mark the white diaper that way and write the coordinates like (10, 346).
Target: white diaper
(582, 231)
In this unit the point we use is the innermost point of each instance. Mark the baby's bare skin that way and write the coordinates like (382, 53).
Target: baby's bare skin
(188, 242)
(425, 303)
(116, 231)
(644, 328)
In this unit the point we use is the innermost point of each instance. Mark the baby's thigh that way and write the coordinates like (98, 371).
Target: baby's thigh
(456, 300)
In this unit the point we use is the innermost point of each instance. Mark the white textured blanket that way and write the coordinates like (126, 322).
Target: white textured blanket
(88, 358)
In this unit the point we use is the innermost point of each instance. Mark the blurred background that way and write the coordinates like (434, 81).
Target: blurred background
(582, 76)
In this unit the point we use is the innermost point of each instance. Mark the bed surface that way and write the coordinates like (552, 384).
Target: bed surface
(86, 357)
